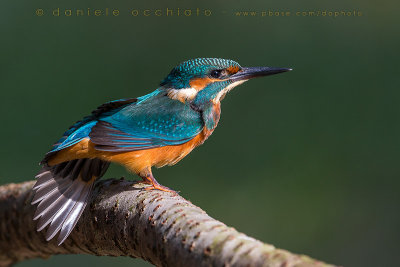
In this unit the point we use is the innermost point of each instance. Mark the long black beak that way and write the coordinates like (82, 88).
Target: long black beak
(253, 72)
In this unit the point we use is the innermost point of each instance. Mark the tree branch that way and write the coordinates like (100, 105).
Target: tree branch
(124, 220)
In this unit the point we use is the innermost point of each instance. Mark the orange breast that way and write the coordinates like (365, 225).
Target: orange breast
(136, 161)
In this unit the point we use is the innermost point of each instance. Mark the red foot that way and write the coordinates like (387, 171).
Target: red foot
(155, 185)
(159, 187)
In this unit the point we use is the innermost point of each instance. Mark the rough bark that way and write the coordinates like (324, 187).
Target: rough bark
(124, 220)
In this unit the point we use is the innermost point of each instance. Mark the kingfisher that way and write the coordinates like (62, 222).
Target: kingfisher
(156, 129)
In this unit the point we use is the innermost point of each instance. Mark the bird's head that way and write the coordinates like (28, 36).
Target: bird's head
(204, 80)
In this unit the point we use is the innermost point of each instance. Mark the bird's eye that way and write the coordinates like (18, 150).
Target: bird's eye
(215, 73)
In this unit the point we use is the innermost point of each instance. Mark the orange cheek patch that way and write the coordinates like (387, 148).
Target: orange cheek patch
(200, 83)
(233, 69)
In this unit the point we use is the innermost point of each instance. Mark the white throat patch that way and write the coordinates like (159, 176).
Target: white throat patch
(222, 93)
(183, 95)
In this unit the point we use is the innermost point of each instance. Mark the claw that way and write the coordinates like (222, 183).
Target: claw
(149, 179)
(159, 187)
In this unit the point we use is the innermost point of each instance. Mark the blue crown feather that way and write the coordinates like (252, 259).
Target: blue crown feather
(180, 76)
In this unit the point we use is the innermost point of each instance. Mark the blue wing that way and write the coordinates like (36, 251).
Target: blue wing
(149, 121)
(82, 128)
(150, 124)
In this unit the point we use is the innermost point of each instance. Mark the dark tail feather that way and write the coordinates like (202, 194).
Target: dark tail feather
(62, 192)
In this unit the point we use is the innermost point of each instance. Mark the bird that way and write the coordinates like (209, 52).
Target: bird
(153, 130)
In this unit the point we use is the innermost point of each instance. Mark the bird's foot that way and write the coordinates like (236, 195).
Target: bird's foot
(155, 185)
(160, 187)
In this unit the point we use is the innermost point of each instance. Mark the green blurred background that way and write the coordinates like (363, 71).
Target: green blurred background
(307, 160)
